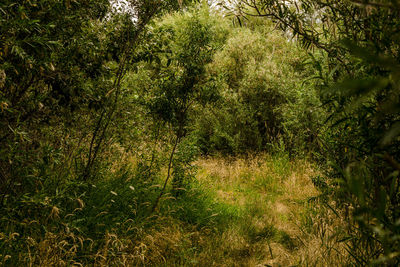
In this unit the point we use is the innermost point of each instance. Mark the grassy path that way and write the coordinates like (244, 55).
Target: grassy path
(274, 223)
(271, 197)
(237, 212)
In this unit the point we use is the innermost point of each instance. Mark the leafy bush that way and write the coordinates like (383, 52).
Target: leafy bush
(262, 101)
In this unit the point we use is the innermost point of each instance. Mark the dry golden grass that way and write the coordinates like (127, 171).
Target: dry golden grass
(273, 194)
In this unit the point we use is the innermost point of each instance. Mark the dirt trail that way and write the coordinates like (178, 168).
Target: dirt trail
(272, 198)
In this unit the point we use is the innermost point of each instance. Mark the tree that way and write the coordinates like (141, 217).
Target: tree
(48, 52)
(181, 47)
(259, 75)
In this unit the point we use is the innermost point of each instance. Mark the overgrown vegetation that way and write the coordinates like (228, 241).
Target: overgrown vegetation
(199, 133)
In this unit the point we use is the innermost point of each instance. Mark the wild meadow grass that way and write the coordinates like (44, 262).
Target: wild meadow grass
(252, 212)
(272, 197)
(236, 212)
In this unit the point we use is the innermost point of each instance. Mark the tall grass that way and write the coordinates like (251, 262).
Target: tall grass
(237, 212)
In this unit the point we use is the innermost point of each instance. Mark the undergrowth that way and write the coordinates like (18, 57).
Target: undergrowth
(237, 212)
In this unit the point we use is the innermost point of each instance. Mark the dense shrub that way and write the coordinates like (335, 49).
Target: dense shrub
(259, 73)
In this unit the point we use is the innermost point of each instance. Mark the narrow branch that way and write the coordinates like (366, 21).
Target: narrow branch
(93, 152)
(171, 157)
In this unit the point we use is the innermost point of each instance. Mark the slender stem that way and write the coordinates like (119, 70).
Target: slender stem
(153, 153)
(178, 137)
(94, 148)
